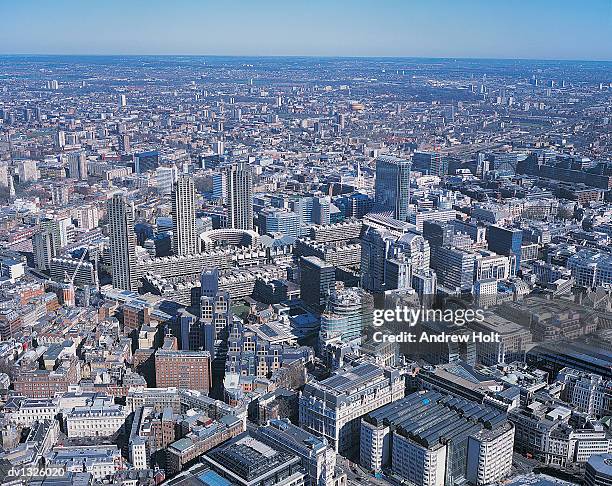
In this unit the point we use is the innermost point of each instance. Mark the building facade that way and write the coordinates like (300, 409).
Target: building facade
(392, 185)
(239, 180)
(185, 239)
(122, 243)
(332, 408)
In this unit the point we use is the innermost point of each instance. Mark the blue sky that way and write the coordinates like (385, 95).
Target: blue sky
(541, 29)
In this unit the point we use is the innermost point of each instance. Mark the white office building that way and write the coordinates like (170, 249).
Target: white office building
(26, 411)
(101, 418)
(442, 215)
(332, 408)
(100, 461)
(165, 177)
(591, 268)
(545, 432)
(587, 392)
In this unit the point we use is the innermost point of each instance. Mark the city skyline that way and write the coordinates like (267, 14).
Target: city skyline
(301, 270)
(470, 29)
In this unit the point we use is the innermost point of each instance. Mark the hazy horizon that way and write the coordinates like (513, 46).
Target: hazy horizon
(300, 56)
(439, 29)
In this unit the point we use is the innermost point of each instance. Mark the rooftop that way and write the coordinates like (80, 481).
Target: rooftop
(248, 459)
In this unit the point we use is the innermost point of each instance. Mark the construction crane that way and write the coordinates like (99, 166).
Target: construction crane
(70, 280)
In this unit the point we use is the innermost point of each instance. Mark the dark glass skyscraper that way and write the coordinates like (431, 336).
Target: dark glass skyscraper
(431, 163)
(209, 282)
(392, 185)
(317, 282)
(506, 241)
(146, 161)
(438, 233)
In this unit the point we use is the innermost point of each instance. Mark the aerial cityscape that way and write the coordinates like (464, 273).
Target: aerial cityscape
(304, 270)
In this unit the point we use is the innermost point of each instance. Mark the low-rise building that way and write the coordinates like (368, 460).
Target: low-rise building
(101, 461)
(204, 436)
(588, 392)
(318, 458)
(246, 461)
(554, 435)
(183, 369)
(433, 439)
(25, 411)
(37, 383)
(101, 418)
(26, 456)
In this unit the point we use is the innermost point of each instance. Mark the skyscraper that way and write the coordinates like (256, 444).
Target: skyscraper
(240, 196)
(219, 189)
(59, 227)
(209, 282)
(27, 171)
(4, 174)
(482, 165)
(215, 320)
(122, 243)
(388, 260)
(313, 209)
(317, 282)
(185, 238)
(506, 241)
(145, 161)
(44, 248)
(60, 139)
(431, 163)
(124, 143)
(219, 147)
(321, 210)
(77, 165)
(392, 185)
(375, 244)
